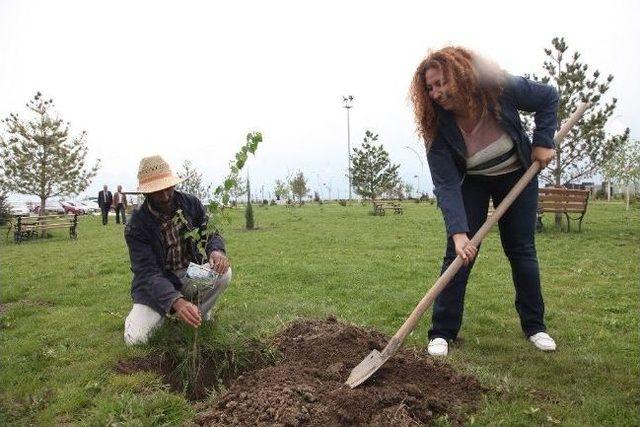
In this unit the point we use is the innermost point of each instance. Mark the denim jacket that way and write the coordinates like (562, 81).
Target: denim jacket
(152, 284)
(446, 156)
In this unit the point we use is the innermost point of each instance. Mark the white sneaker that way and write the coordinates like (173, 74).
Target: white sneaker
(438, 347)
(543, 341)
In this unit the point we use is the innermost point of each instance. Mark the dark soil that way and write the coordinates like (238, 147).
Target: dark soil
(306, 387)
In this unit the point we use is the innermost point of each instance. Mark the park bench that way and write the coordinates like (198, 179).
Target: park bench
(564, 201)
(32, 227)
(379, 208)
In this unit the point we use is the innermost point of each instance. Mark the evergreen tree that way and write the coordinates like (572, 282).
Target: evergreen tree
(40, 157)
(372, 173)
(248, 213)
(587, 146)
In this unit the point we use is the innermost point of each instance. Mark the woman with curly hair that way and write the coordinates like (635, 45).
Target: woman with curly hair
(466, 110)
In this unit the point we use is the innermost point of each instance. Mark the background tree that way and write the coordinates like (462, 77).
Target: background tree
(587, 146)
(5, 209)
(299, 186)
(372, 172)
(193, 184)
(623, 168)
(281, 190)
(248, 213)
(39, 156)
(239, 188)
(408, 189)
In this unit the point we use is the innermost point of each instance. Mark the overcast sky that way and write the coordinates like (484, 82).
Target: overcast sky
(187, 80)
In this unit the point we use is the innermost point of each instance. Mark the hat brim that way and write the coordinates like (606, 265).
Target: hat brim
(160, 184)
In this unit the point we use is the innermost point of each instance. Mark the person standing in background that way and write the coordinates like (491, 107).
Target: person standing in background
(105, 200)
(120, 204)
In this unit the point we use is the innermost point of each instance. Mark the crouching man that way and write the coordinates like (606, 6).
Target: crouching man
(160, 255)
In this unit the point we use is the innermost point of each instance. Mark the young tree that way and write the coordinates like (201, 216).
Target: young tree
(299, 186)
(587, 146)
(40, 157)
(240, 187)
(372, 172)
(408, 189)
(281, 190)
(193, 184)
(248, 213)
(623, 167)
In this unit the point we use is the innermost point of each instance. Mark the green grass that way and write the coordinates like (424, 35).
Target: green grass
(64, 304)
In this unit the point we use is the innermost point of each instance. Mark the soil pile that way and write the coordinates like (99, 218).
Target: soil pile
(306, 387)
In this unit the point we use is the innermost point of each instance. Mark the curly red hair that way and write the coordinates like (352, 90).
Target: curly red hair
(475, 81)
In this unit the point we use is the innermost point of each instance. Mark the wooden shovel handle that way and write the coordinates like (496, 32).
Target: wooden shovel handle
(453, 268)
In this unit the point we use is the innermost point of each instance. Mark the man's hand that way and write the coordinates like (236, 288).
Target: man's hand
(543, 155)
(219, 262)
(187, 312)
(464, 248)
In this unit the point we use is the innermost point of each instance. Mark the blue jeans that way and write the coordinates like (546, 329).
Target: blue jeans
(517, 234)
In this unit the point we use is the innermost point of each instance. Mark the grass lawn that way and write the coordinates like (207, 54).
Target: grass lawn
(64, 304)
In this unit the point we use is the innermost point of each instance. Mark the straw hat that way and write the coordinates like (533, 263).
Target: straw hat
(154, 174)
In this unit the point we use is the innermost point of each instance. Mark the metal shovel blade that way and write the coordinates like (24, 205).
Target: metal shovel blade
(365, 369)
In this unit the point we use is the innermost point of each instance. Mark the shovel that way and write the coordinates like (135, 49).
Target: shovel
(376, 359)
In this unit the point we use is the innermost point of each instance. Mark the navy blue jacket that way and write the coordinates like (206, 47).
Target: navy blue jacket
(152, 284)
(446, 155)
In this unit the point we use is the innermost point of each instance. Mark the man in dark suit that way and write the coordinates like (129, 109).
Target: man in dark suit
(105, 199)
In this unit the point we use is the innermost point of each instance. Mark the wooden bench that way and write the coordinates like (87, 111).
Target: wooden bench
(379, 208)
(564, 201)
(32, 227)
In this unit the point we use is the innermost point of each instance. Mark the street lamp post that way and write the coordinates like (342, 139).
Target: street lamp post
(348, 100)
(421, 167)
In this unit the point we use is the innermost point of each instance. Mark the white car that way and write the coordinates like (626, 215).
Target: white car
(18, 209)
(50, 207)
(91, 205)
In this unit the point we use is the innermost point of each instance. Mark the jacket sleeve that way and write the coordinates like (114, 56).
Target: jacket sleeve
(542, 100)
(147, 273)
(447, 187)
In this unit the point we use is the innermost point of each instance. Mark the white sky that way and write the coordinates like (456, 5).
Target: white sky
(188, 79)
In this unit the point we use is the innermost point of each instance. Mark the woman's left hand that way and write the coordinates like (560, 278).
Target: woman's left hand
(543, 155)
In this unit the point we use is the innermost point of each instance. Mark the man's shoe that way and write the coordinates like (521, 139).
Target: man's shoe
(543, 341)
(438, 347)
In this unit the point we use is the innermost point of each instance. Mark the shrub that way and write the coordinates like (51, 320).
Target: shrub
(273, 202)
(342, 202)
(248, 215)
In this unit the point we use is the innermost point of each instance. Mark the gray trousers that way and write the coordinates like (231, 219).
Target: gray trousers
(203, 295)
(143, 320)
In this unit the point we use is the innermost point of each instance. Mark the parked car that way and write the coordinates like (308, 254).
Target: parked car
(74, 207)
(91, 205)
(50, 207)
(18, 208)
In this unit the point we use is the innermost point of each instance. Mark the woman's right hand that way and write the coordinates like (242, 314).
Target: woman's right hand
(464, 248)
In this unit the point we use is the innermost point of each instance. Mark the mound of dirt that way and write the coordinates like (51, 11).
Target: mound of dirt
(306, 387)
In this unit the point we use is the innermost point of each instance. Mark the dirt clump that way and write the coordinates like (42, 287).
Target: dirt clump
(306, 386)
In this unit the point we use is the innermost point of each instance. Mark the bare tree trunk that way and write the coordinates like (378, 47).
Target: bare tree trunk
(41, 213)
(608, 191)
(628, 195)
